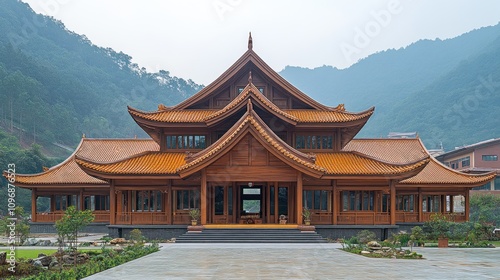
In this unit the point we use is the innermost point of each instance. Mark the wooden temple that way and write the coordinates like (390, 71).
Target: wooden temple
(251, 147)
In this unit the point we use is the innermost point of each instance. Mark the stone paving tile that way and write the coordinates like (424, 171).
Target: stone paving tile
(302, 261)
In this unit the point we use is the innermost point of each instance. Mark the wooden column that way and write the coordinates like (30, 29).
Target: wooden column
(112, 201)
(203, 197)
(392, 185)
(335, 202)
(298, 198)
(451, 204)
(168, 202)
(467, 204)
(443, 203)
(33, 205)
(52, 203)
(420, 207)
(81, 199)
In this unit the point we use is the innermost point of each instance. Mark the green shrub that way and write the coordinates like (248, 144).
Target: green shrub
(366, 236)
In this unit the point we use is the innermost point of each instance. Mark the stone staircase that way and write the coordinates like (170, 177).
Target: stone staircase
(250, 236)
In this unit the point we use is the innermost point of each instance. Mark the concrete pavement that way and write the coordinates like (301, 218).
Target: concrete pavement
(302, 261)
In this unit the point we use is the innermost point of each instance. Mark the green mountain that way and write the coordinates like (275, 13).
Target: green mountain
(413, 88)
(55, 85)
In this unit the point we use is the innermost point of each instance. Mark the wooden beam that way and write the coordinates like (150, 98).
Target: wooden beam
(298, 198)
(112, 199)
(335, 202)
(203, 197)
(392, 185)
(33, 205)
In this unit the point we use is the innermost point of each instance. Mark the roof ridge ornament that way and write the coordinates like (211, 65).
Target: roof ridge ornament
(250, 77)
(250, 43)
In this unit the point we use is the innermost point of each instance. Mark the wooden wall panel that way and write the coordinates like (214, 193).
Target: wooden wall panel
(258, 154)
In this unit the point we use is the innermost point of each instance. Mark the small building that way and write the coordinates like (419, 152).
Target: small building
(478, 158)
(251, 148)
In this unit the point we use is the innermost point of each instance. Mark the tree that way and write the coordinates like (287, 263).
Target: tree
(21, 229)
(485, 208)
(71, 223)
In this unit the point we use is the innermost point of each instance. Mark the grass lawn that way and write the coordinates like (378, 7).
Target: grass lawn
(496, 243)
(33, 253)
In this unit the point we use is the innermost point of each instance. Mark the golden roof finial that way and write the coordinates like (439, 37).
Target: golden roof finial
(250, 43)
(249, 105)
(83, 136)
(45, 168)
(250, 77)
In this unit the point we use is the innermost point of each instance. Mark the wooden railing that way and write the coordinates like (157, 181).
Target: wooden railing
(406, 217)
(100, 216)
(454, 217)
(48, 217)
(181, 217)
(321, 218)
(363, 218)
(141, 218)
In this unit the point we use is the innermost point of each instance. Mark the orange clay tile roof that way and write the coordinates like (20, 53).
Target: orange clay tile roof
(308, 115)
(67, 173)
(111, 150)
(244, 95)
(347, 163)
(399, 151)
(436, 173)
(174, 116)
(251, 119)
(151, 163)
(99, 150)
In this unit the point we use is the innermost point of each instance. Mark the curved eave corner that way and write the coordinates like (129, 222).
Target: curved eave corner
(437, 174)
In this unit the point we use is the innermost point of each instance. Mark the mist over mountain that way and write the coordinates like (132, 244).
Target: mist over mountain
(55, 85)
(419, 88)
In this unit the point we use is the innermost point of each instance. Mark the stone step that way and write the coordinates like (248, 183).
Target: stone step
(250, 236)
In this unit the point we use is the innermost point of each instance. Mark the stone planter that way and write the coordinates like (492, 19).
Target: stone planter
(442, 242)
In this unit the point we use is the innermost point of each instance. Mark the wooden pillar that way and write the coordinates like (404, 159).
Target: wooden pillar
(298, 198)
(33, 205)
(392, 185)
(203, 197)
(443, 203)
(467, 203)
(112, 201)
(335, 202)
(52, 203)
(420, 207)
(168, 202)
(81, 199)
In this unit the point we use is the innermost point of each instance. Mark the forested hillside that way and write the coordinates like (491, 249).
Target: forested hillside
(56, 85)
(412, 87)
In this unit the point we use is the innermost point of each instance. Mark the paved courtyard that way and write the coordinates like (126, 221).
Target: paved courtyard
(302, 261)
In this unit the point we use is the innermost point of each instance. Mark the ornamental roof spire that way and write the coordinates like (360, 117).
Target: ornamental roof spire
(250, 43)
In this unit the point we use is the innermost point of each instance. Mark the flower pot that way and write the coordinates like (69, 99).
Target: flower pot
(307, 222)
(282, 222)
(194, 222)
(442, 242)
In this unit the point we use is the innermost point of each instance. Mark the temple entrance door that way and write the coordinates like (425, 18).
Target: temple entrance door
(281, 198)
(222, 210)
(251, 204)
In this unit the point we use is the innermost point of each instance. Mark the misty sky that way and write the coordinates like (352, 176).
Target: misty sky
(199, 39)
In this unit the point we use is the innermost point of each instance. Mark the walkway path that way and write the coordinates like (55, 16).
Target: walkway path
(302, 261)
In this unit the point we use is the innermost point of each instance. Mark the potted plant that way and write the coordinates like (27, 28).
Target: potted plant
(195, 215)
(306, 213)
(439, 226)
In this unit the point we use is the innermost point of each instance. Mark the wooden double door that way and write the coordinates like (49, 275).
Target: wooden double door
(246, 203)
